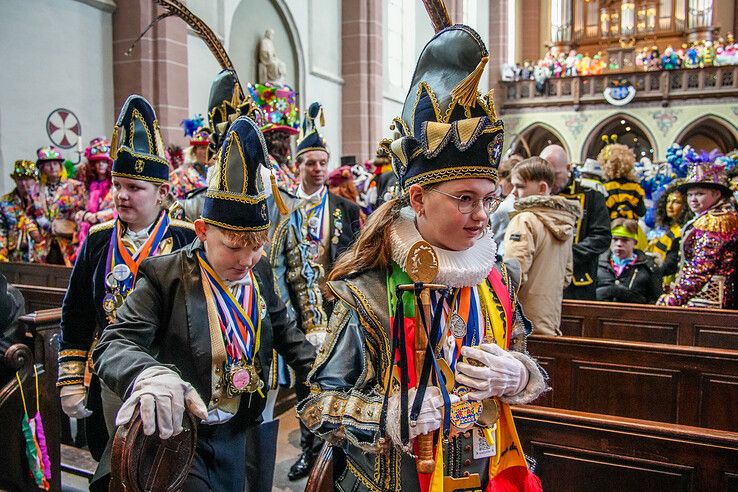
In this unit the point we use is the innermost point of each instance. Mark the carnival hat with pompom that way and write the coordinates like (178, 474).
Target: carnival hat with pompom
(705, 171)
(310, 137)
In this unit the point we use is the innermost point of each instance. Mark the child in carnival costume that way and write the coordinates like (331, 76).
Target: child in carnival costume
(381, 416)
(98, 180)
(20, 237)
(193, 174)
(709, 248)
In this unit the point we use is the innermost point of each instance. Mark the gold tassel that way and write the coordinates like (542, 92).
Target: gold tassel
(322, 117)
(277, 196)
(465, 93)
(114, 142)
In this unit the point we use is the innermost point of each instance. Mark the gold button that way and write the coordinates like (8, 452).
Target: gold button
(215, 400)
(217, 370)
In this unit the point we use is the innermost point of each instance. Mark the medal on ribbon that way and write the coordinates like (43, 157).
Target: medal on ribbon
(240, 322)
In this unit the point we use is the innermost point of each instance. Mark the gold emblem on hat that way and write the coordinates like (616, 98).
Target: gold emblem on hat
(139, 165)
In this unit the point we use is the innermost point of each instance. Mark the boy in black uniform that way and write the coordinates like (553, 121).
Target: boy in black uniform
(198, 331)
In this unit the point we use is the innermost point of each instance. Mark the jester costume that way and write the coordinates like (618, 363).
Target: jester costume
(709, 247)
(20, 236)
(447, 132)
(107, 267)
(191, 175)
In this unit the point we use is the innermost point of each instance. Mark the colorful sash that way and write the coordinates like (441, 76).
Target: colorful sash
(493, 313)
(239, 316)
(118, 253)
(315, 218)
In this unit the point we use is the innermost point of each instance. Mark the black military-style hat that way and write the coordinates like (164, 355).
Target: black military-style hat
(447, 130)
(310, 137)
(137, 148)
(235, 199)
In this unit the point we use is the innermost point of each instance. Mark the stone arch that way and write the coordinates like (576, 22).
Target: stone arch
(247, 29)
(531, 140)
(709, 132)
(630, 131)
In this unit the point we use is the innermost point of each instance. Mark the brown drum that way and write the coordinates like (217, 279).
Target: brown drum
(142, 463)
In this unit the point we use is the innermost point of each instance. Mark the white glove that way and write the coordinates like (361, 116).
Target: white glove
(73, 401)
(429, 419)
(316, 338)
(501, 373)
(162, 397)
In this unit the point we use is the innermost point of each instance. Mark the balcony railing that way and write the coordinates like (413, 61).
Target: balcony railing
(663, 85)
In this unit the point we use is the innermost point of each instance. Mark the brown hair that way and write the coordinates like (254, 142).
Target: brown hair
(507, 165)
(372, 249)
(630, 225)
(535, 169)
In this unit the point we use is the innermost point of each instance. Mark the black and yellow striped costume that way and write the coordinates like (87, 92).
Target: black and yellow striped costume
(625, 199)
(667, 247)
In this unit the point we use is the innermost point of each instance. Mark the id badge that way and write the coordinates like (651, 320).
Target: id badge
(481, 447)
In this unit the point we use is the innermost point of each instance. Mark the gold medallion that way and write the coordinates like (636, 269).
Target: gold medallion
(421, 263)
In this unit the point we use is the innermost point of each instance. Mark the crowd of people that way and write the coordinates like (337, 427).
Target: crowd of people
(557, 63)
(201, 286)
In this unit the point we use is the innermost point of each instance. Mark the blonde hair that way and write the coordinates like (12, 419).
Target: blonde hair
(618, 161)
(372, 249)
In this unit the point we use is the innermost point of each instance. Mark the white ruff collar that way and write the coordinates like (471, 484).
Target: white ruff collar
(455, 268)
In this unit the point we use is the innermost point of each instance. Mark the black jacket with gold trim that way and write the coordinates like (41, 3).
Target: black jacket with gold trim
(591, 239)
(347, 391)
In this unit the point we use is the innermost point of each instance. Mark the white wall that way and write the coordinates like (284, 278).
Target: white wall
(54, 54)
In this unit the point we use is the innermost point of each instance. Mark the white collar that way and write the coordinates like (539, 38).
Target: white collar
(302, 194)
(455, 268)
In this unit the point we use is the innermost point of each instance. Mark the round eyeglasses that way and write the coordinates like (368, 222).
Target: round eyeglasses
(468, 205)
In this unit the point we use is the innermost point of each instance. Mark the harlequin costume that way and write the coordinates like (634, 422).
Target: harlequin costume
(447, 132)
(191, 175)
(99, 191)
(709, 248)
(304, 247)
(108, 264)
(191, 331)
(18, 225)
(60, 201)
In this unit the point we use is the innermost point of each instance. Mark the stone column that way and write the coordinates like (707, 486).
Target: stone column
(530, 25)
(362, 72)
(500, 35)
(156, 68)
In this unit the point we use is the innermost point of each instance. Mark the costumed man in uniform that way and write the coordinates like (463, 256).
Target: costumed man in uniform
(193, 174)
(305, 247)
(61, 198)
(592, 236)
(381, 417)
(709, 249)
(197, 332)
(20, 237)
(108, 264)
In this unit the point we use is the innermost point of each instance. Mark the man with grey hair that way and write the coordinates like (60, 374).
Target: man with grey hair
(592, 235)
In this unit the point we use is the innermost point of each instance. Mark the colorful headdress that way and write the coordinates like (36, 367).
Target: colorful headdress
(235, 198)
(447, 130)
(98, 150)
(23, 168)
(201, 138)
(705, 171)
(278, 105)
(137, 147)
(47, 154)
(310, 137)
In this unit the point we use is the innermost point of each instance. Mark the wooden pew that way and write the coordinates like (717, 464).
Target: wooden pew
(647, 323)
(666, 383)
(577, 451)
(40, 298)
(36, 274)
(44, 326)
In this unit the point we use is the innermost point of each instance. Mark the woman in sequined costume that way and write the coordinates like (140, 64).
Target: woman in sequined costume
(709, 247)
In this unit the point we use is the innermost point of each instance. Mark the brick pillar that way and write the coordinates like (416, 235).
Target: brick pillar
(362, 72)
(157, 66)
(531, 29)
(500, 36)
